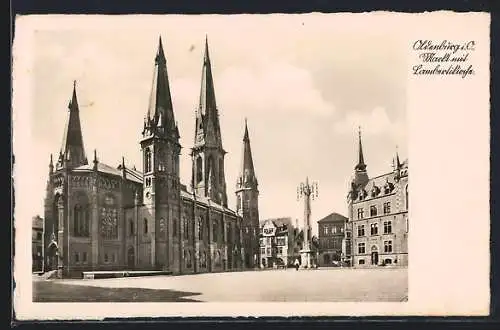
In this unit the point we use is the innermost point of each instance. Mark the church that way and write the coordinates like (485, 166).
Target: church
(102, 217)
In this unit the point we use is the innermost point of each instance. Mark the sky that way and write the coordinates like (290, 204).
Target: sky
(304, 82)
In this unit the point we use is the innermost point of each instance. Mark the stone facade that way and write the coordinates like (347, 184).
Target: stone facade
(377, 230)
(101, 217)
(37, 243)
(279, 246)
(331, 231)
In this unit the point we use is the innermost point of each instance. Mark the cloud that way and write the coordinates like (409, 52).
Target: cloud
(273, 87)
(373, 123)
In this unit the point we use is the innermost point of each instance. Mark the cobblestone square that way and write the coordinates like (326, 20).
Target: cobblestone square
(322, 285)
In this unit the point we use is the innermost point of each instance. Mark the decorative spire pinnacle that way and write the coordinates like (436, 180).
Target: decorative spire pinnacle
(96, 161)
(361, 166)
(72, 152)
(398, 163)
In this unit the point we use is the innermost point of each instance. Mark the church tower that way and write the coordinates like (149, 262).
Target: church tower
(72, 153)
(208, 154)
(360, 173)
(247, 204)
(160, 150)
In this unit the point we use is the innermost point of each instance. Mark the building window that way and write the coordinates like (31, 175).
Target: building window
(109, 220)
(361, 230)
(268, 250)
(374, 229)
(39, 236)
(387, 227)
(84, 257)
(188, 259)
(131, 227)
(387, 207)
(360, 213)
(77, 257)
(262, 251)
(113, 258)
(407, 201)
(105, 257)
(200, 228)
(199, 169)
(147, 161)
(145, 225)
(174, 227)
(261, 241)
(81, 221)
(221, 171)
(185, 228)
(361, 248)
(373, 211)
(361, 261)
(280, 250)
(334, 229)
(280, 241)
(325, 230)
(214, 231)
(387, 246)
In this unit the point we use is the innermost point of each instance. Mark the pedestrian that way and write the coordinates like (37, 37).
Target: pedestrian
(296, 264)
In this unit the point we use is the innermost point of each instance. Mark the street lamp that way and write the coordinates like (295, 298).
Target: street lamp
(307, 191)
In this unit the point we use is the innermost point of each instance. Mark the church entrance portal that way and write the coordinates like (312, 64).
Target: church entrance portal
(51, 258)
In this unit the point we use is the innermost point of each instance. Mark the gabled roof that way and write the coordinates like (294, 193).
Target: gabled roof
(333, 217)
(207, 202)
(131, 175)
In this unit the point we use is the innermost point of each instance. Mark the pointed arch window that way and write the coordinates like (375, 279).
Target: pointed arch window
(145, 226)
(221, 171)
(81, 224)
(147, 160)
(214, 231)
(407, 201)
(109, 218)
(199, 169)
(200, 228)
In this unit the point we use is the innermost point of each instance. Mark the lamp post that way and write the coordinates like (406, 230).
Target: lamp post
(307, 191)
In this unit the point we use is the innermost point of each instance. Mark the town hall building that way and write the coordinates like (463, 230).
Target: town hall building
(377, 230)
(102, 217)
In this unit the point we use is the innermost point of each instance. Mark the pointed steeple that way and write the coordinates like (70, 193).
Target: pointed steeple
(247, 178)
(160, 115)
(207, 116)
(72, 153)
(361, 166)
(398, 162)
(51, 165)
(360, 174)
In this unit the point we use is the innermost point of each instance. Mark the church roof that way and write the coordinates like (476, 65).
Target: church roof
(207, 202)
(333, 217)
(131, 174)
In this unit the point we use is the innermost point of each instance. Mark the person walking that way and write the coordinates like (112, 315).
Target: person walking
(297, 264)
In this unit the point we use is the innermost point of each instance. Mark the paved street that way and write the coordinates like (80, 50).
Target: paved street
(322, 285)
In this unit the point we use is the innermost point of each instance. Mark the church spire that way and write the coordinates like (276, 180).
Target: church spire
(72, 152)
(247, 178)
(160, 115)
(207, 117)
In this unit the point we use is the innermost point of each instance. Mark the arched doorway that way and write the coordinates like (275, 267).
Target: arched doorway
(374, 255)
(131, 257)
(52, 256)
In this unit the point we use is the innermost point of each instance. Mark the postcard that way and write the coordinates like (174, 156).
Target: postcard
(251, 165)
